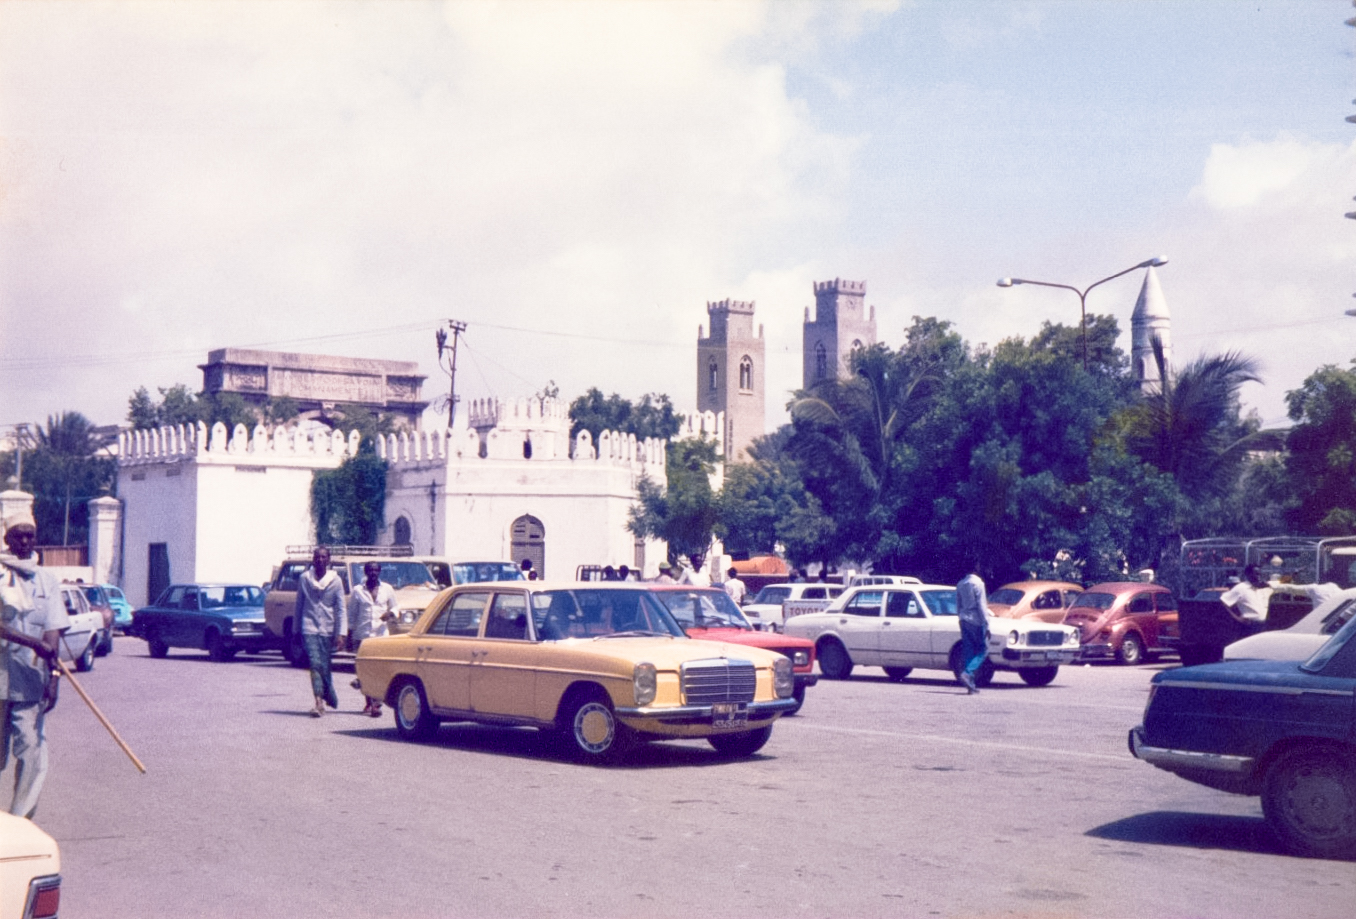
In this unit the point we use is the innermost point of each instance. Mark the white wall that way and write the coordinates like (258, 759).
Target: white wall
(247, 517)
(160, 504)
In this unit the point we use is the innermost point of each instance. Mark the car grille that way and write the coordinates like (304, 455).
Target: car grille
(1044, 638)
(718, 681)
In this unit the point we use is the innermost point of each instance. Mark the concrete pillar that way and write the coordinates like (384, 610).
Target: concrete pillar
(105, 540)
(12, 502)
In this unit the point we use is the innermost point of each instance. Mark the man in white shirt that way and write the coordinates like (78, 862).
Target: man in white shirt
(320, 614)
(1248, 599)
(695, 574)
(371, 609)
(734, 588)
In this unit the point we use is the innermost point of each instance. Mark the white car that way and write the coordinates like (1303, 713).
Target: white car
(30, 871)
(902, 627)
(862, 580)
(1303, 638)
(767, 609)
(79, 644)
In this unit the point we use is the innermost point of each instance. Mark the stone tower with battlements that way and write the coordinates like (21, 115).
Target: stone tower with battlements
(730, 374)
(841, 323)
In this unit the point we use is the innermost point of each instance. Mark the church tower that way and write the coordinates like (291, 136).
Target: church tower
(1150, 322)
(730, 374)
(841, 323)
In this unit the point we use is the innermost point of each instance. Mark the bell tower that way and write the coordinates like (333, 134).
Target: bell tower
(842, 322)
(730, 374)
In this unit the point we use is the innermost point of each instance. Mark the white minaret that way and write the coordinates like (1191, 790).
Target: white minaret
(1150, 322)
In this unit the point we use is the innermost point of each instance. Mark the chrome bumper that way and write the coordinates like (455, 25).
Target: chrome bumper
(1174, 760)
(696, 714)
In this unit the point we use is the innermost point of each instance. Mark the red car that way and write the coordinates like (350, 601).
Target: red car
(707, 612)
(1124, 620)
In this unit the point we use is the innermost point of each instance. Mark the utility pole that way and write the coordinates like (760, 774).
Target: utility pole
(441, 336)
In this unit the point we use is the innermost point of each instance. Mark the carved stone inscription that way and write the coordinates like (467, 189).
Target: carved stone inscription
(329, 387)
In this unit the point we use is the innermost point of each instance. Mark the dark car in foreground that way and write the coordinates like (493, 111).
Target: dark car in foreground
(221, 619)
(708, 613)
(1285, 730)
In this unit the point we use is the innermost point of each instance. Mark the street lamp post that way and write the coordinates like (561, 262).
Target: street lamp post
(1083, 294)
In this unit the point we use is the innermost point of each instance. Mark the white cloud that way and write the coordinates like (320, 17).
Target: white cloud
(1283, 171)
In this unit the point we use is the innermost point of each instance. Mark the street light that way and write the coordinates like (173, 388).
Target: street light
(1083, 294)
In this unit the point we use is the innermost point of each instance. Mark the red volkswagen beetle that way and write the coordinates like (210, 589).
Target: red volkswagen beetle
(1124, 620)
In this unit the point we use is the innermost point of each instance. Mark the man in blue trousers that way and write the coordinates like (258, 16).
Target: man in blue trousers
(972, 607)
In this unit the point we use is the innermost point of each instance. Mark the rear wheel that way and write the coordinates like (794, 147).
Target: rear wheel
(897, 674)
(834, 662)
(105, 643)
(1039, 676)
(157, 646)
(983, 676)
(413, 719)
(745, 743)
(1131, 651)
(1309, 799)
(85, 662)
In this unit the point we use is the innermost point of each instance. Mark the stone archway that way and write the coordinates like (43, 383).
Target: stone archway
(528, 540)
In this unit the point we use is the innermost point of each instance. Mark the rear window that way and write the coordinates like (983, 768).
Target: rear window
(1008, 596)
(478, 572)
(1097, 601)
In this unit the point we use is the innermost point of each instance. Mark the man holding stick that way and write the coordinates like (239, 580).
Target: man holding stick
(32, 618)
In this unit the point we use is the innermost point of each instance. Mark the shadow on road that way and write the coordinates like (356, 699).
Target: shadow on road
(1197, 831)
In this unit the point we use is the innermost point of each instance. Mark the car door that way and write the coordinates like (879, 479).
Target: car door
(860, 624)
(151, 621)
(444, 654)
(1141, 614)
(1166, 606)
(503, 669)
(905, 634)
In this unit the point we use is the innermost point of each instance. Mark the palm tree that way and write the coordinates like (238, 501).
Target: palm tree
(65, 466)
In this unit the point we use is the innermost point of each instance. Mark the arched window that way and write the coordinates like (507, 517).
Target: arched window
(402, 531)
(527, 538)
(821, 362)
(746, 373)
(713, 371)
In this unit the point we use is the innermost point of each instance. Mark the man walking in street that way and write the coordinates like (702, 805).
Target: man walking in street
(972, 608)
(320, 612)
(371, 609)
(734, 588)
(32, 618)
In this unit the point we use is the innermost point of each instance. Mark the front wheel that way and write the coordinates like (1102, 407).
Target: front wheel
(834, 662)
(1309, 800)
(1131, 651)
(217, 649)
(897, 674)
(85, 662)
(413, 719)
(1039, 676)
(745, 743)
(592, 731)
(158, 647)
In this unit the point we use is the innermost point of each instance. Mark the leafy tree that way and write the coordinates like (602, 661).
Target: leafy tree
(683, 513)
(65, 471)
(178, 405)
(348, 504)
(1322, 451)
(652, 416)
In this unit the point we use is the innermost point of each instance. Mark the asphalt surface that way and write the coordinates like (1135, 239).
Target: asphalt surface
(879, 799)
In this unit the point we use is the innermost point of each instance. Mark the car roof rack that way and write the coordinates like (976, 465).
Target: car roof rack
(405, 551)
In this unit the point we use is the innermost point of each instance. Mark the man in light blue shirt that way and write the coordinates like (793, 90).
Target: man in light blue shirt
(972, 607)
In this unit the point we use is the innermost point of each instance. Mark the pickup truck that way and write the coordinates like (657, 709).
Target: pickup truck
(1206, 625)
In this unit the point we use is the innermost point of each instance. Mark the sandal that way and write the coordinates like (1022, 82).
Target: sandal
(375, 711)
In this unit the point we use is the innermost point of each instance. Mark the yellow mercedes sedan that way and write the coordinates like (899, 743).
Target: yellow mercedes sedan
(603, 666)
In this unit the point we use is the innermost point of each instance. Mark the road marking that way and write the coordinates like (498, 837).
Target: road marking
(1021, 748)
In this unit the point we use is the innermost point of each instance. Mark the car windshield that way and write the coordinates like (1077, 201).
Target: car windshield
(772, 595)
(1338, 617)
(114, 593)
(397, 574)
(1008, 596)
(234, 595)
(703, 609)
(476, 572)
(940, 602)
(1097, 601)
(585, 613)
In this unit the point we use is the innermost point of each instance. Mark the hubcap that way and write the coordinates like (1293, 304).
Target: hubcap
(409, 705)
(1317, 801)
(594, 727)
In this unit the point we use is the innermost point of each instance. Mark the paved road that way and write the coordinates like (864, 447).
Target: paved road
(880, 799)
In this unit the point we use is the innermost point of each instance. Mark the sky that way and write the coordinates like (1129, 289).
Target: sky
(576, 181)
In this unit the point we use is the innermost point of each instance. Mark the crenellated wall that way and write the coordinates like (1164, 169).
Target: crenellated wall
(277, 444)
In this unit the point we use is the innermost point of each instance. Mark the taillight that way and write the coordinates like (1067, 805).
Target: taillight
(44, 897)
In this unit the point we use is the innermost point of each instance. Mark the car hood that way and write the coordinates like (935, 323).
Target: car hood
(770, 640)
(1087, 619)
(1242, 673)
(1275, 646)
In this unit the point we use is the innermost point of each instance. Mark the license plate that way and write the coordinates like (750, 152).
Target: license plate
(729, 714)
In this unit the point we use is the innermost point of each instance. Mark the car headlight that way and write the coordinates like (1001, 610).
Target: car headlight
(783, 681)
(800, 659)
(644, 683)
(1072, 638)
(1013, 638)
(410, 616)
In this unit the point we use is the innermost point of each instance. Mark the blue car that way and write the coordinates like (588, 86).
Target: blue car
(221, 619)
(122, 610)
(1285, 730)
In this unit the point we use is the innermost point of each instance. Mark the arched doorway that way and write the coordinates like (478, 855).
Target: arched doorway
(402, 531)
(528, 540)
